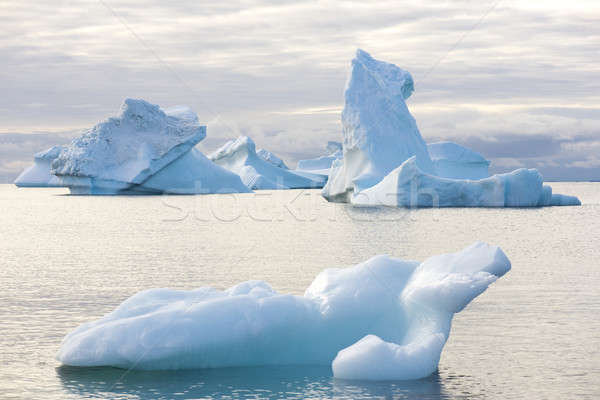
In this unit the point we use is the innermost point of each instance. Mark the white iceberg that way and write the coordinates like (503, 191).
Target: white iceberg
(386, 161)
(38, 175)
(239, 156)
(343, 318)
(454, 161)
(379, 131)
(408, 186)
(271, 158)
(322, 164)
(123, 154)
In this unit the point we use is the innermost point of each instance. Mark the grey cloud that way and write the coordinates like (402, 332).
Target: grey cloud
(68, 64)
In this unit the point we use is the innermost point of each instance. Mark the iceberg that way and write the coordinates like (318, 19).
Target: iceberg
(386, 161)
(379, 131)
(38, 175)
(322, 164)
(454, 161)
(384, 318)
(272, 158)
(408, 186)
(144, 149)
(239, 156)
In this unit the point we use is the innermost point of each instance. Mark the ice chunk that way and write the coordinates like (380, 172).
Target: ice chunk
(379, 131)
(192, 173)
(322, 164)
(272, 158)
(457, 162)
(143, 150)
(124, 151)
(382, 319)
(239, 156)
(408, 186)
(38, 175)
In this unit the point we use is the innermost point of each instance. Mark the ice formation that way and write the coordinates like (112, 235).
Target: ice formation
(143, 149)
(239, 156)
(322, 164)
(272, 158)
(382, 319)
(379, 131)
(386, 161)
(454, 161)
(408, 186)
(38, 175)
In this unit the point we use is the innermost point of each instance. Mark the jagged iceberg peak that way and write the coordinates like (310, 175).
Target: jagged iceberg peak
(393, 81)
(132, 146)
(271, 158)
(379, 131)
(239, 156)
(49, 154)
(242, 144)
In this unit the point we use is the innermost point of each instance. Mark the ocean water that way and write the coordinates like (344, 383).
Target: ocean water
(65, 260)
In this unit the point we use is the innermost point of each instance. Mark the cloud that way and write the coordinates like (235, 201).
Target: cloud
(556, 157)
(269, 66)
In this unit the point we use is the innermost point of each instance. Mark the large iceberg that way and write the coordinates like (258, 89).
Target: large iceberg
(386, 161)
(144, 149)
(454, 161)
(38, 175)
(322, 164)
(379, 131)
(239, 156)
(382, 319)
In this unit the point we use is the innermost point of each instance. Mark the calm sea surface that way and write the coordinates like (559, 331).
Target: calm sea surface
(65, 260)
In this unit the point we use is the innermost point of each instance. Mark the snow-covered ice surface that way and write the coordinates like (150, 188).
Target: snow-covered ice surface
(454, 161)
(386, 161)
(271, 157)
(382, 319)
(379, 131)
(145, 149)
(239, 156)
(38, 175)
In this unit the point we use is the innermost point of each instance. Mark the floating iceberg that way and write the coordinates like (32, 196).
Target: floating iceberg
(38, 175)
(272, 158)
(386, 161)
(239, 156)
(408, 186)
(382, 319)
(379, 131)
(144, 149)
(322, 164)
(454, 161)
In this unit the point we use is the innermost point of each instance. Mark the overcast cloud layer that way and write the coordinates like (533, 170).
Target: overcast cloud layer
(518, 82)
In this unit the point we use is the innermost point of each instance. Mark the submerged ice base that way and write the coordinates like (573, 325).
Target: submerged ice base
(382, 319)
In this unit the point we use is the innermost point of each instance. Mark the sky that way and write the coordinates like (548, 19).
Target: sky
(518, 81)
